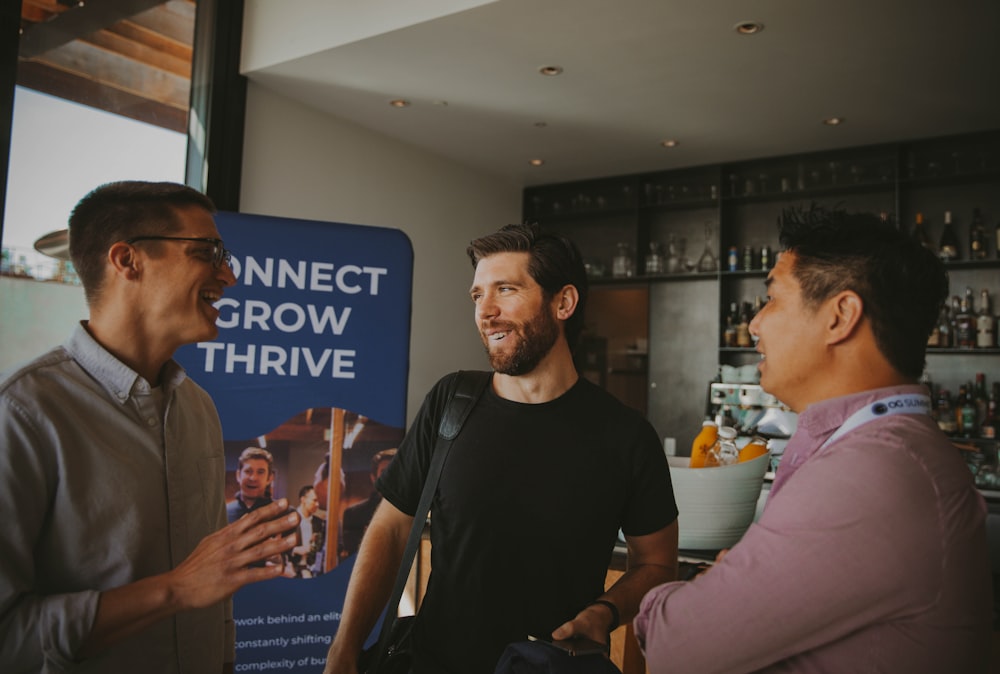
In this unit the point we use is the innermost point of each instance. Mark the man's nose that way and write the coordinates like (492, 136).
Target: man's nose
(226, 275)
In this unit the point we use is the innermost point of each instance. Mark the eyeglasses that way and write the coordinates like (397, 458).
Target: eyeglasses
(219, 253)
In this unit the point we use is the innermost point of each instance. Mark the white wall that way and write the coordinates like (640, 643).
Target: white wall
(301, 163)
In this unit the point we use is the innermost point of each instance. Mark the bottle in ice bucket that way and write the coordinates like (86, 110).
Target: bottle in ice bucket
(756, 447)
(723, 452)
(703, 443)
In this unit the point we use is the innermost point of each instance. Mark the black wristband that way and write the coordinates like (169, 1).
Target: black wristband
(615, 618)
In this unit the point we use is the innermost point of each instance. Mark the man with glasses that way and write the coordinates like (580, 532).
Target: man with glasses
(115, 554)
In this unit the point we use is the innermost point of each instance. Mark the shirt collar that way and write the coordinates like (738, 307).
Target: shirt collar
(117, 378)
(821, 420)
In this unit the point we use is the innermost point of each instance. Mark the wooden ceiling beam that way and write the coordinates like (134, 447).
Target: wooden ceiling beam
(78, 22)
(48, 80)
(173, 19)
(129, 30)
(140, 51)
(110, 69)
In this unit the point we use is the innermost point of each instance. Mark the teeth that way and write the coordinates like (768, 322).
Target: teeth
(496, 336)
(210, 297)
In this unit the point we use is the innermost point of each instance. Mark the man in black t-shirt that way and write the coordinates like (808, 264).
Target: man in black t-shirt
(547, 469)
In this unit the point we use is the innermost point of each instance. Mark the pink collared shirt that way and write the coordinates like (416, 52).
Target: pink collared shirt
(871, 556)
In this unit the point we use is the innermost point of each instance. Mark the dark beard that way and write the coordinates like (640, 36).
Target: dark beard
(539, 335)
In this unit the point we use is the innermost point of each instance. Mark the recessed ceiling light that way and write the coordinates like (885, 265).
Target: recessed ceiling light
(748, 27)
(536, 162)
(441, 104)
(833, 121)
(541, 125)
(550, 70)
(670, 142)
(399, 103)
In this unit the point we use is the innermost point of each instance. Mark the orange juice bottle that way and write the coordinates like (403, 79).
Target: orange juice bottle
(756, 447)
(703, 443)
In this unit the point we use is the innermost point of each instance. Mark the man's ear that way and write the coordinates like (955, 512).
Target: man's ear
(566, 301)
(846, 312)
(124, 261)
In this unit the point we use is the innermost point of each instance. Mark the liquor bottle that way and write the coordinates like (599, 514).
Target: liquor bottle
(977, 236)
(934, 338)
(965, 413)
(743, 327)
(988, 429)
(965, 323)
(729, 334)
(944, 328)
(980, 399)
(986, 337)
(948, 248)
(919, 233)
(946, 415)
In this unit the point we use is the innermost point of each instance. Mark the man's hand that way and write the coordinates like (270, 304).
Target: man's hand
(217, 568)
(592, 622)
(220, 565)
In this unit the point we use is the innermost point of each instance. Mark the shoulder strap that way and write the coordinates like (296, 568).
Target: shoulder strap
(469, 386)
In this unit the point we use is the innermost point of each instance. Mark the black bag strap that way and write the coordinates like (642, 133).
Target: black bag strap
(469, 386)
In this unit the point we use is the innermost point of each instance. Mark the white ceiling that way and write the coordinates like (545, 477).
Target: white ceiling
(639, 71)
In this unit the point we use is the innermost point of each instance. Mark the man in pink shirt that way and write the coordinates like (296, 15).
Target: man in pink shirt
(871, 554)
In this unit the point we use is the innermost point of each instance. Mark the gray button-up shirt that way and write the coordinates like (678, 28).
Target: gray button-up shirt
(103, 483)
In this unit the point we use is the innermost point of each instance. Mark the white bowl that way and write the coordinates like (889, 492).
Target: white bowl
(716, 505)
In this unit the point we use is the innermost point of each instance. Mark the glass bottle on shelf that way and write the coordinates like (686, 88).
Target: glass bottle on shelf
(654, 260)
(986, 337)
(988, 429)
(948, 247)
(621, 263)
(920, 232)
(707, 261)
(965, 323)
(944, 327)
(980, 399)
(743, 338)
(673, 261)
(977, 236)
(732, 318)
(946, 415)
(965, 413)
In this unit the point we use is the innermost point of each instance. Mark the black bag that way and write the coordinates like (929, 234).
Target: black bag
(398, 654)
(538, 657)
(393, 651)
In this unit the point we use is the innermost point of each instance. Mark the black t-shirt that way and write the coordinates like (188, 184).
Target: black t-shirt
(526, 515)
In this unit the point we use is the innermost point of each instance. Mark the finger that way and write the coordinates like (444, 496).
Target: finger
(264, 530)
(263, 550)
(264, 514)
(564, 631)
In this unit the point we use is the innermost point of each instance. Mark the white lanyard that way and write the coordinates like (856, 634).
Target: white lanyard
(899, 404)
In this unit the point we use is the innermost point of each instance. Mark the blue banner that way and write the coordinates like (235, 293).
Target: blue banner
(309, 376)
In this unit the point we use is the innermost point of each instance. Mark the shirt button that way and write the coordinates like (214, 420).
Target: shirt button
(151, 421)
(122, 395)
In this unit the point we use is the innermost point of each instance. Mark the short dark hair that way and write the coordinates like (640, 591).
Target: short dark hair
(902, 284)
(555, 262)
(305, 489)
(118, 211)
